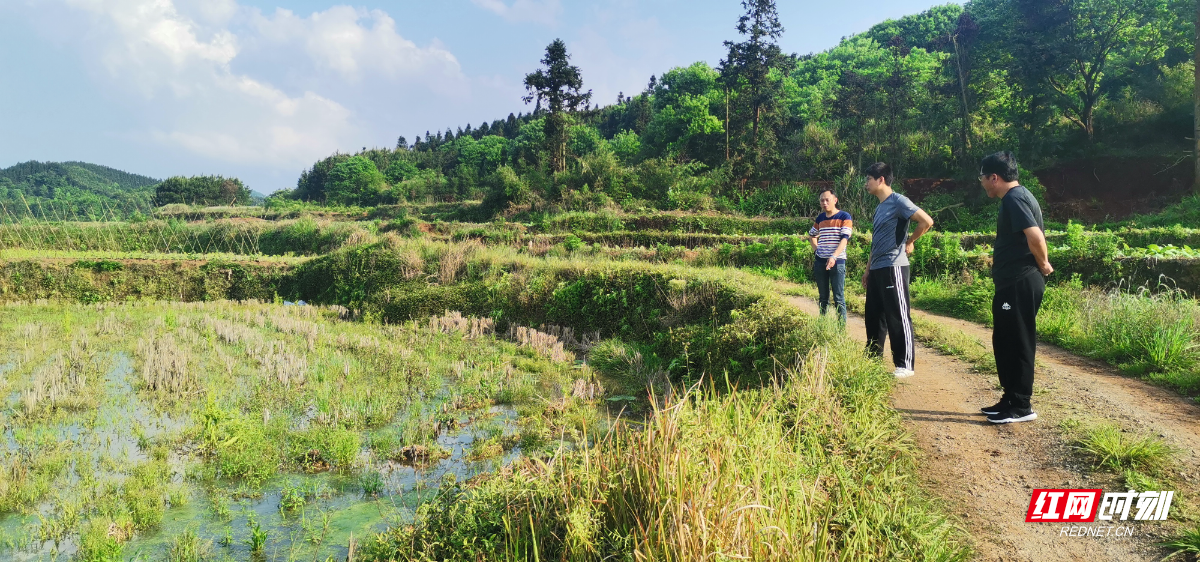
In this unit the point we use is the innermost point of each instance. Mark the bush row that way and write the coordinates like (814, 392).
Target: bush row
(676, 222)
(101, 281)
(292, 237)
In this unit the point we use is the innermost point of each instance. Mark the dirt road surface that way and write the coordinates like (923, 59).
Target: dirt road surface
(986, 473)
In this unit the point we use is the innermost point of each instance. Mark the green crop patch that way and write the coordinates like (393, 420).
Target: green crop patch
(254, 417)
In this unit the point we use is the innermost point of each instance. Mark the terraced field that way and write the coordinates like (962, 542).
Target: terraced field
(586, 386)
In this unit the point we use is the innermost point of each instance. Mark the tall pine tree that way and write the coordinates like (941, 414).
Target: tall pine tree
(560, 85)
(747, 66)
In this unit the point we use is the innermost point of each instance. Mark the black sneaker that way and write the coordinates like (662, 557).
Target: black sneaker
(1013, 415)
(1000, 406)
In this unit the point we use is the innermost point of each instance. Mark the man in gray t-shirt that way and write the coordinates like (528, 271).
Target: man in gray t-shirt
(886, 279)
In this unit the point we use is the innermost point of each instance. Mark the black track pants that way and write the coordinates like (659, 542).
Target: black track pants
(888, 315)
(1014, 338)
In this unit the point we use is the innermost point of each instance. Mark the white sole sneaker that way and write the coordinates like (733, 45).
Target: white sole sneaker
(902, 373)
(1030, 417)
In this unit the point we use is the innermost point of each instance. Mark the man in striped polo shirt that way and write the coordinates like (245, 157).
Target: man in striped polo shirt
(829, 237)
(886, 278)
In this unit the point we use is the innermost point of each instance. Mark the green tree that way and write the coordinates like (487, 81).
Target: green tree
(684, 124)
(626, 145)
(1071, 46)
(313, 182)
(748, 65)
(355, 181)
(400, 170)
(560, 85)
(202, 190)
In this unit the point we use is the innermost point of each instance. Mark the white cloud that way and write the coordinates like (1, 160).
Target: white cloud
(148, 33)
(260, 124)
(186, 61)
(537, 11)
(353, 41)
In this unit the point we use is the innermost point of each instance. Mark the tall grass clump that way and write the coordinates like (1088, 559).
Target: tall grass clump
(1117, 451)
(814, 467)
(165, 366)
(634, 366)
(1144, 333)
(1186, 543)
(62, 382)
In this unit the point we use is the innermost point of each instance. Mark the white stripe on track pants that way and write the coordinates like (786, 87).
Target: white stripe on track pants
(887, 314)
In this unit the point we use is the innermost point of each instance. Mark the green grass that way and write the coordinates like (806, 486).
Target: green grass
(783, 448)
(21, 254)
(239, 394)
(1186, 543)
(304, 236)
(955, 342)
(1113, 449)
(1150, 335)
(813, 467)
(838, 475)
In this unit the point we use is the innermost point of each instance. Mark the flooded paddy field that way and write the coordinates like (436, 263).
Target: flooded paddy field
(247, 430)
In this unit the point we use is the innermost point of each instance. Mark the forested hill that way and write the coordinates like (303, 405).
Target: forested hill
(83, 170)
(1094, 95)
(70, 190)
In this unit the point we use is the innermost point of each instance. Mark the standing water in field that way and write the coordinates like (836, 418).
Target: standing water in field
(251, 430)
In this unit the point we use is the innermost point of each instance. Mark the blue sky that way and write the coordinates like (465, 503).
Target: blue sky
(260, 89)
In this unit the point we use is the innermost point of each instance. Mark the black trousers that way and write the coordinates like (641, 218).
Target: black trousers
(888, 315)
(1014, 338)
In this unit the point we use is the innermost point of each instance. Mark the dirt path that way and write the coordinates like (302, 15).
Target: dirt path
(986, 473)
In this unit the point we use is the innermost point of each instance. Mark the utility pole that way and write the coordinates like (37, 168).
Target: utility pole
(1196, 106)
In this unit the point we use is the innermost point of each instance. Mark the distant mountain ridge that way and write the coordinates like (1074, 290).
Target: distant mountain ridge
(18, 173)
(70, 190)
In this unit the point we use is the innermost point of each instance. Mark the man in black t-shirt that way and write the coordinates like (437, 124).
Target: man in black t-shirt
(1020, 264)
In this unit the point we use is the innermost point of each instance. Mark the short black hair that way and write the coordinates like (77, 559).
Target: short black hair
(881, 170)
(1002, 163)
(823, 190)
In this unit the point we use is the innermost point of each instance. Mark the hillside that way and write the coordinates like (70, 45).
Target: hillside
(72, 189)
(930, 93)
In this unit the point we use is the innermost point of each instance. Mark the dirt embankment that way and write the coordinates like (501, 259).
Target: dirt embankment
(986, 473)
(1091, 190)
(1114, 188)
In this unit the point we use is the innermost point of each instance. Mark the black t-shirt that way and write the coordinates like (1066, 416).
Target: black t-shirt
(1011, 258)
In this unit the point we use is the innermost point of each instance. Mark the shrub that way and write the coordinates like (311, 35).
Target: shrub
(506, 188)
(355, 181)
(781, 200)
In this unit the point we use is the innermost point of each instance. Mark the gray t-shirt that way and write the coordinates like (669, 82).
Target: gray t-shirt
(889, 231)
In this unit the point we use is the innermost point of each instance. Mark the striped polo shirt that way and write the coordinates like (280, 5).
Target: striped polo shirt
(829, 232)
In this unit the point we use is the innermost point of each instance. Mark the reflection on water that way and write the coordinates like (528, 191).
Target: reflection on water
(334, 505)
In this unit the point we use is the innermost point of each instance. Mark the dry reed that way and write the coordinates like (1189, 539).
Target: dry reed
(470, 327)
(61, 382)
(165, 366)
(541, 342)
(454, 259)
(281, 363)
